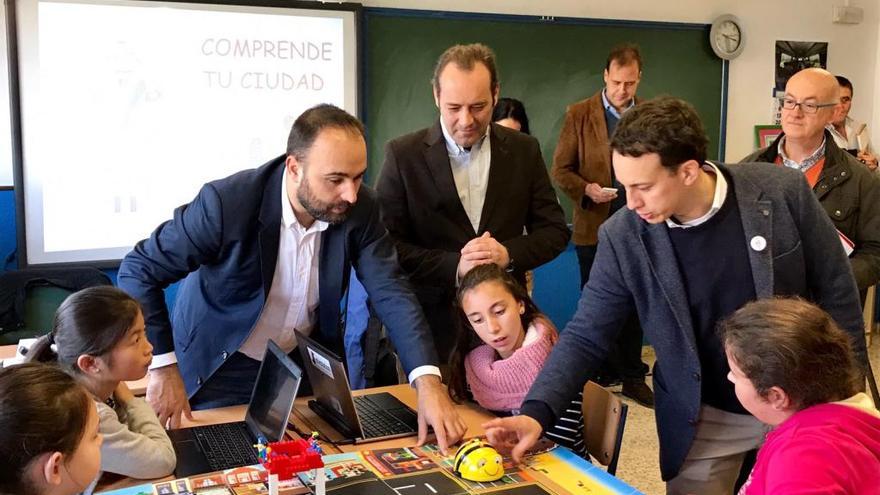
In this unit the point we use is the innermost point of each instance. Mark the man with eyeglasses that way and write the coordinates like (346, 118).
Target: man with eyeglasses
(847, 190)
(849, 133)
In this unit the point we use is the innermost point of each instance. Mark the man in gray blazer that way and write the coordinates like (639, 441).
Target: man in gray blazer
(697, 241)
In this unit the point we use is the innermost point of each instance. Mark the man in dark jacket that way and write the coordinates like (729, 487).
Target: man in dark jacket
(466, 192)
(848, 191)
(697, 241)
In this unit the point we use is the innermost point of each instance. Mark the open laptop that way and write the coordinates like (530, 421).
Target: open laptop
(204, 449)
(364, 418)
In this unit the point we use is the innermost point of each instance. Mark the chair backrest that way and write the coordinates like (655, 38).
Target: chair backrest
(604, 420)
(29, 298)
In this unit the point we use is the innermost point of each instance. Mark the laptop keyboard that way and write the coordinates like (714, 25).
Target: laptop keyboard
(226, 445)
(384, 416)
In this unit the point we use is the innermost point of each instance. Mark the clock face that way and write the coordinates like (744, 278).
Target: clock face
(726, 37)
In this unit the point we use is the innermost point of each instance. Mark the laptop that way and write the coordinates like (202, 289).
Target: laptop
(362, 418)
(204, 449)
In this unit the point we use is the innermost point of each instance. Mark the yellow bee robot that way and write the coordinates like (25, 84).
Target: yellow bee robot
(476, 460)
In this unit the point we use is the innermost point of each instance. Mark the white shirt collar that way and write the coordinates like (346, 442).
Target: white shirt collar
(717, 200)
(454, 149)
(288, 218)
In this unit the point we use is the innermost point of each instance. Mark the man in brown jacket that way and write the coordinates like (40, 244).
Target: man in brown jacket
(582, 169)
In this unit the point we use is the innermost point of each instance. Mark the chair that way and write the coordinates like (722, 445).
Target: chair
(29, 298)
(868, 316)
(868, 313)
(604, 420)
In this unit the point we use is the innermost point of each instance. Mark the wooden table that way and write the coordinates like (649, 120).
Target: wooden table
(306, 421)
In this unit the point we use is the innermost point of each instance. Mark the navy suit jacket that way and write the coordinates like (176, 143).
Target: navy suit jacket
(636, 269)
(225, 242)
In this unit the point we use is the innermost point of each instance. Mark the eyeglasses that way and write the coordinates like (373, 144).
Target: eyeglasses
(807, 107)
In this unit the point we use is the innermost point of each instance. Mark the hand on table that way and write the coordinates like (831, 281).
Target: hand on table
(515, 435)
(436, 409)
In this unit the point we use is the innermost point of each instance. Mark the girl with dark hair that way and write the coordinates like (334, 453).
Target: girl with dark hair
(98, 336)
(793, 368)
(501, 344)
(511, 113)
(49, 439)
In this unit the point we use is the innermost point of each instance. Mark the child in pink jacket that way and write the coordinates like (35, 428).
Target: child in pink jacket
(793, 368)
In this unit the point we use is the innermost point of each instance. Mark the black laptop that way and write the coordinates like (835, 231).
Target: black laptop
(362, 418)
(204, 449)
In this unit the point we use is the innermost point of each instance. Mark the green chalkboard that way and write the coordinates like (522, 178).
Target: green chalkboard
(548, 64)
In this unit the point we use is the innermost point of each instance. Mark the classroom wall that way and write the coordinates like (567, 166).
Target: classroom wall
(876, 89)
(852, 50)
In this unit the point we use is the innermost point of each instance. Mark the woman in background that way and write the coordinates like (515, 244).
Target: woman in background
(511, 113)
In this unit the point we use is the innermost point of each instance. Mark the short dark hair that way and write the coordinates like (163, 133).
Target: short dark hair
(42, 410)
(846, 83)
(624, 54)
(513, 109)
(794, 345)
(667, 126)
(466, 57)
(310, 123)
(89, 322)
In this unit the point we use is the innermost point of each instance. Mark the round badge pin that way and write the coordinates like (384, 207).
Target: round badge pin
(758, 243)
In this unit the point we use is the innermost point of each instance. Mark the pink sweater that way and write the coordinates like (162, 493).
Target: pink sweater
(825, 449)
(502, 384)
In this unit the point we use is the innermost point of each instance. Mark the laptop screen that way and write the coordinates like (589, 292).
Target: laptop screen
(273, 395)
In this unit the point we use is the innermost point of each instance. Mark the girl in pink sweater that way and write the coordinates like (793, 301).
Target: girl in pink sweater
(793, 368)
(502, 342)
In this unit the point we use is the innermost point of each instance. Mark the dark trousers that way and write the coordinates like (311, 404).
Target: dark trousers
(625, 357)
(233, 383)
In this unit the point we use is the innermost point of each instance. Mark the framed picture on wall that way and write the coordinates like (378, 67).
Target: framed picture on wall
(766, 134)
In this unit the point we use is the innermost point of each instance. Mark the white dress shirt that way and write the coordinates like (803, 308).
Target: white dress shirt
(293, 298)
(470, 171)
(292, 302)
(852, 141)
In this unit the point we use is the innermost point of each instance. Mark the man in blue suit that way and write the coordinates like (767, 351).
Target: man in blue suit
(269, 250)
(697, 241)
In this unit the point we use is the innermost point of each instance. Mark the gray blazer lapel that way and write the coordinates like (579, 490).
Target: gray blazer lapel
(661, 258)
(437, 159)
(757, 222)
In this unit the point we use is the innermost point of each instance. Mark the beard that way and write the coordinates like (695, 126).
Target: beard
(321, 210)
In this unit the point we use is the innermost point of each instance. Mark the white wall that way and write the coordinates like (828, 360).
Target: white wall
(852, 49)
(876, 127)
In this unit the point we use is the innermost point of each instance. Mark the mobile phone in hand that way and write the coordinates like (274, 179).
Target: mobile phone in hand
(609, 190)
